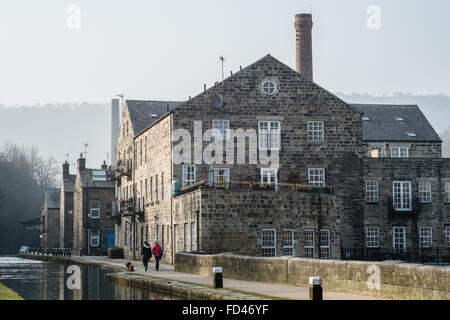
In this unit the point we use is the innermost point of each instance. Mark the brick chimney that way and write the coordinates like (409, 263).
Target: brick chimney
(66, 173)
(81, 163)
(104, 165)
(303, 45)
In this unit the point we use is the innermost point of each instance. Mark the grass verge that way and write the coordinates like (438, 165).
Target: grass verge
(8, 294)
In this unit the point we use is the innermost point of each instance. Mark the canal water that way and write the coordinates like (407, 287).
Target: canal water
(41, 280)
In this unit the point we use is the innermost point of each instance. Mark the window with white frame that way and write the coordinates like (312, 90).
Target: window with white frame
(324, 238)
(399, 152)
(269, 135)
(372, 237)
(371, 191)
(425, 237)
(222, 177)
(399, 238)
(188, 175)
(269, 240)
(95, 238)
(288, 242)
(401, 195)
(447, 237)
(94, 209)
(269, 87)
(309, 243)
(376, 152)
(315, 131)
(447, 192)
(186, 237)
(221, 129)
(269, 177)
(316, 176)
(193, 237)
(425, 191)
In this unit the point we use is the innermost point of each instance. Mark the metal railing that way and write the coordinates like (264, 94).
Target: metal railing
(63, 252)
(247, 185)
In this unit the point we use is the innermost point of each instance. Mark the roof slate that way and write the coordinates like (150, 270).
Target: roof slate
(141, 112)
(52, 198)
(383, 126)
(88, 182)
(68, 184)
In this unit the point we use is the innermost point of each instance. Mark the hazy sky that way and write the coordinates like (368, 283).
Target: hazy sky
(168, 49)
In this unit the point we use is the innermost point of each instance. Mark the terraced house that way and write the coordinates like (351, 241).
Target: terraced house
(93, 196)
(344, 181)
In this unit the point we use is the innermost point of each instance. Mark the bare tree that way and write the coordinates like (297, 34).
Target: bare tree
(42, 170)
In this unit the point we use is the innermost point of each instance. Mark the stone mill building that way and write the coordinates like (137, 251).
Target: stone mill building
(343, 180)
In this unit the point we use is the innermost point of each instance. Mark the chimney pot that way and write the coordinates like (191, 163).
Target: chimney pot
(81, 163)
(303, 45)
(66, 170)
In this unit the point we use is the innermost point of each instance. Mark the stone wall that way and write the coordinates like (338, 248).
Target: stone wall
(66, 219)
(396, 280)
(152, 180)
(297, 102)
(125, 152)
(51, 228)
(435, 214)
(232, 221)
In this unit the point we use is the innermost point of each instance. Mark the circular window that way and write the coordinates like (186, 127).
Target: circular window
(269, 87)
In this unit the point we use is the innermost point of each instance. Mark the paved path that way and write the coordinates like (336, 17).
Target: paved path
(264, 288)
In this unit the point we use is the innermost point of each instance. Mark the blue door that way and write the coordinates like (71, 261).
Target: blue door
(110, 239)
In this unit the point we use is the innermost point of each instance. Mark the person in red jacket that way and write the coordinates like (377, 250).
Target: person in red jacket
(157, 252)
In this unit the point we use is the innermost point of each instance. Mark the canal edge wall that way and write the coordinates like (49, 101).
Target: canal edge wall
(185, 290)
(63, 259)
(167, 286)
(388, 279)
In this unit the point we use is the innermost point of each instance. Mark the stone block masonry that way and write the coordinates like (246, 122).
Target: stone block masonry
(387, 279)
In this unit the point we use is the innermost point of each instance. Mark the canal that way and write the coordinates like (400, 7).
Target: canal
(42, 280)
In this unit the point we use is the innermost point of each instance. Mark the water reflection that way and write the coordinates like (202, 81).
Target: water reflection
(37, 280)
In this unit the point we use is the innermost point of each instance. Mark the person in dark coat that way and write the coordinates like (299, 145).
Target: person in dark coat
(157, 252)
(146, 254)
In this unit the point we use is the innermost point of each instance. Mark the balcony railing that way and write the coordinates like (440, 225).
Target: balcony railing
(124, 169)
(129, 207)
(250, 185)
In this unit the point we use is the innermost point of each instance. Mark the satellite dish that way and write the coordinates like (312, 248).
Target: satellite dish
(217, 101)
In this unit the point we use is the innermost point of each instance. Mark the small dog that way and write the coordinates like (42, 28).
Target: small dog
(130, 267)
